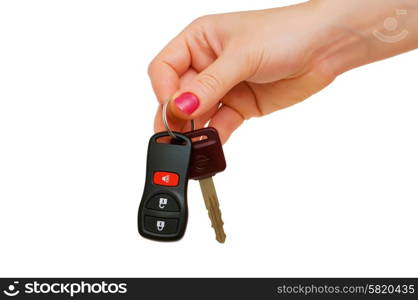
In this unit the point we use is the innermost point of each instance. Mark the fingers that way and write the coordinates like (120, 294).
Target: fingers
(177, 124)
(191, 49)
(174, 67)
(166, 69)
(284, 93)
(250, 100)
(172, 72)
(209, 86)
(237, 106)
(182, 125)
(226, 121)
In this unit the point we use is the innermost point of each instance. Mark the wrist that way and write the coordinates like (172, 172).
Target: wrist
(358, 32)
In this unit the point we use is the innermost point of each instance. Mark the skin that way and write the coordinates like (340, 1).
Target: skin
(249, 64)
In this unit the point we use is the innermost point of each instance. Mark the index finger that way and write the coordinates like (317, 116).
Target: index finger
(167, 67)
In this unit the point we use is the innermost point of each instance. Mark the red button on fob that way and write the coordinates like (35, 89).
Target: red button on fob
(166, 178)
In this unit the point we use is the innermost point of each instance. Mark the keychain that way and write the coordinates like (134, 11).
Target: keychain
(163, 210)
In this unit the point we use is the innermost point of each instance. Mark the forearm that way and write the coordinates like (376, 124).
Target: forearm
(363, 31)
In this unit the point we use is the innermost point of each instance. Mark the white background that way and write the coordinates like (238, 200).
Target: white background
(325, 188)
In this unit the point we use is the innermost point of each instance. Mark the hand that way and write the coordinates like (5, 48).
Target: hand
(224, 69)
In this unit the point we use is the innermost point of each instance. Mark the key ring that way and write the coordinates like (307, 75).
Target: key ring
(165, 121)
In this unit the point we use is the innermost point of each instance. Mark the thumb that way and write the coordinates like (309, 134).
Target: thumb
(206, 89)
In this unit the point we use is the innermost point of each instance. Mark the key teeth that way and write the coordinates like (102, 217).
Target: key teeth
(220, 237)
(212, 206)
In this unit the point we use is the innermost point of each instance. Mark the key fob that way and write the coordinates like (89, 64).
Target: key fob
(163, 211)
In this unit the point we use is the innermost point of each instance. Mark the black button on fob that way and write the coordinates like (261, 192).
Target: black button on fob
(163, 212)
(161, 225)
(163, 202)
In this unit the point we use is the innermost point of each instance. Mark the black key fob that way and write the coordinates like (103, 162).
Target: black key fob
(163, 213)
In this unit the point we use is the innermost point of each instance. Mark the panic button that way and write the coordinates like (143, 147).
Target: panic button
(166, 178)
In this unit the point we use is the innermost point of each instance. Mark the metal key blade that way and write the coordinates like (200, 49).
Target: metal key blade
(212, 205)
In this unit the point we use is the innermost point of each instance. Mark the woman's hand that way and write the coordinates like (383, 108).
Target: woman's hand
(228, 68)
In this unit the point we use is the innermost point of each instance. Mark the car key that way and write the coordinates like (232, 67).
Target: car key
(163, 210)
(208, 159)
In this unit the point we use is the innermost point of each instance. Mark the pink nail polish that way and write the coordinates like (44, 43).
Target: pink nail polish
(187, 103)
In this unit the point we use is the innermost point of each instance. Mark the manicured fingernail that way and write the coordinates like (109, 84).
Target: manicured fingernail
(187, 103)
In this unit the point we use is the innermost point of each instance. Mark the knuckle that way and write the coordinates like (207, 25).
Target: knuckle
(151, 67)
(201, 20)
(205, 21)
(209, 83)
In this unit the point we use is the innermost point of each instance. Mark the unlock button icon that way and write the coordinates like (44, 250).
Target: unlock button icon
(162, 203)
(160, 225)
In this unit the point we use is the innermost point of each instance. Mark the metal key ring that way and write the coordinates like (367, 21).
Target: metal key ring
(165, 121)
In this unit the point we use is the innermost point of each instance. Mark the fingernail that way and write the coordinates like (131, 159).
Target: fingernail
(187, 103)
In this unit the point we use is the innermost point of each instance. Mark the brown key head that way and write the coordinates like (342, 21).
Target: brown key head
(207, 156)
